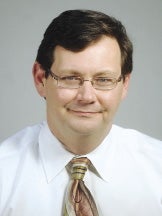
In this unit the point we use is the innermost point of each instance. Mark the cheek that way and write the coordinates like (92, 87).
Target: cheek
(60, 97)
(111, 99)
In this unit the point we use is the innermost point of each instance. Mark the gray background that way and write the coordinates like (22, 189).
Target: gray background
(22, 26)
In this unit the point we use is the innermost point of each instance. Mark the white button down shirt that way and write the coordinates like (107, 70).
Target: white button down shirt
(126, 180)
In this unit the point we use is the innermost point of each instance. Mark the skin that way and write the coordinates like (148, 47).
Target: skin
(81, 118)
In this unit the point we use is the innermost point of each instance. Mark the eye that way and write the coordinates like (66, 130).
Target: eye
(70, 78)
(103, 80)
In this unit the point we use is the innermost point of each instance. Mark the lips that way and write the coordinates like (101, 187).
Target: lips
(83, 114)
(87, 111)
(84, 110)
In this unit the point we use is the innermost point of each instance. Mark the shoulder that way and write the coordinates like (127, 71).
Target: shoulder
(131, 133)
(19, 141)
(138, 148)
(136, 140)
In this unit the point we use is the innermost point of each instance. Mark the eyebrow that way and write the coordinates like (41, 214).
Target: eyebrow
(69, 72)
(77, 73)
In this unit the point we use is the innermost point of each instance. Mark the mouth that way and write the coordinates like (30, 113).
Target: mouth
(85, 113)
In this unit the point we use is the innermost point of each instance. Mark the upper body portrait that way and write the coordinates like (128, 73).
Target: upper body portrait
(82, 71)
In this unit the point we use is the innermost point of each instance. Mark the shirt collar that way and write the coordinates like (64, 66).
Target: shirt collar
(102, 158)
(55, 157)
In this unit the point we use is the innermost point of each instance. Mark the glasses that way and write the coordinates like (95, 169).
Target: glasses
(75, 82)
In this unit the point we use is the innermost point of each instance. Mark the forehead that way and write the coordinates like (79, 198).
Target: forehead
(99, 56)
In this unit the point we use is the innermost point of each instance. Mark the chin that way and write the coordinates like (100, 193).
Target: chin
(85, 129)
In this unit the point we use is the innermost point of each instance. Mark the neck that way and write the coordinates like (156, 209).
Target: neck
(81, 144)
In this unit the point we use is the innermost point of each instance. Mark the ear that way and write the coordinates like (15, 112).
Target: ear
(126, 85)
(39, 79)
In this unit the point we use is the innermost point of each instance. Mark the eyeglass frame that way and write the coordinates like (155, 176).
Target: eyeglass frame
(82, 80)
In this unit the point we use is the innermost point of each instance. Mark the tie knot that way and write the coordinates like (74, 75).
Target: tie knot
(79, 167)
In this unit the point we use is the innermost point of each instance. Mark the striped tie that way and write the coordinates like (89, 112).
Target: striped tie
(78, 200)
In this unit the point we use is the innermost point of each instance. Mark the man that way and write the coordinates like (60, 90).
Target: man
(82, 70)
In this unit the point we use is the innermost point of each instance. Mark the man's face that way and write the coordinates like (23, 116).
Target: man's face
(84, 111)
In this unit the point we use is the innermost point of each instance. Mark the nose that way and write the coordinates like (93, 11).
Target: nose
(86, 93)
